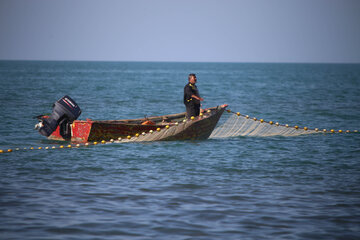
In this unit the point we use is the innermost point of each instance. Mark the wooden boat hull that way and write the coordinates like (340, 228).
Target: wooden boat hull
(174, 129)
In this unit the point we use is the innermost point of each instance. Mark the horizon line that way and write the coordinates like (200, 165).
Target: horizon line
(155, 61)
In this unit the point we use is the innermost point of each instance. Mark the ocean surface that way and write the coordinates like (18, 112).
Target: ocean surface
(305, 187)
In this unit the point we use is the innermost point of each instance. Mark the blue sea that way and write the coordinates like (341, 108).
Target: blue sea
(304, 187)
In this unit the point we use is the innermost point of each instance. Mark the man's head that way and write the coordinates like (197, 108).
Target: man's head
(192, 78)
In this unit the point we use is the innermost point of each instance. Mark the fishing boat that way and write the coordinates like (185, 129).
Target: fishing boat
(62, 125)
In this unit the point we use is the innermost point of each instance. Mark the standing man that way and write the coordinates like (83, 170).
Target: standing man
(192, 97)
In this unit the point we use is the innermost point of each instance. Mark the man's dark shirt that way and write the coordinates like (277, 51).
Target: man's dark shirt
(189, 90)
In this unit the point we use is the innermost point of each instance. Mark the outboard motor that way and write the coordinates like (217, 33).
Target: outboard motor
(65, 111)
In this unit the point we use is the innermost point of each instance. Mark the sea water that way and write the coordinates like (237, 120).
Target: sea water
(305, 187)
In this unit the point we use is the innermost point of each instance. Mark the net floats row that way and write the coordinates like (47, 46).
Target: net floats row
(101, 142)
(295, 127)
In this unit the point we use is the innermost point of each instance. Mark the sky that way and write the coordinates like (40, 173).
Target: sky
(326, 31)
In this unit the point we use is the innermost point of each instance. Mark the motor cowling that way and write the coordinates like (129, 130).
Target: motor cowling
(64, 112)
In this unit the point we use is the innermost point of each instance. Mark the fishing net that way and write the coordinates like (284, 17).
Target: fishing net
(235, 125)
(239, 125)
(158, 135)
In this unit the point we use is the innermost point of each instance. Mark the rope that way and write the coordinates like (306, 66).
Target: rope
(236, 125)
(156, 135)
